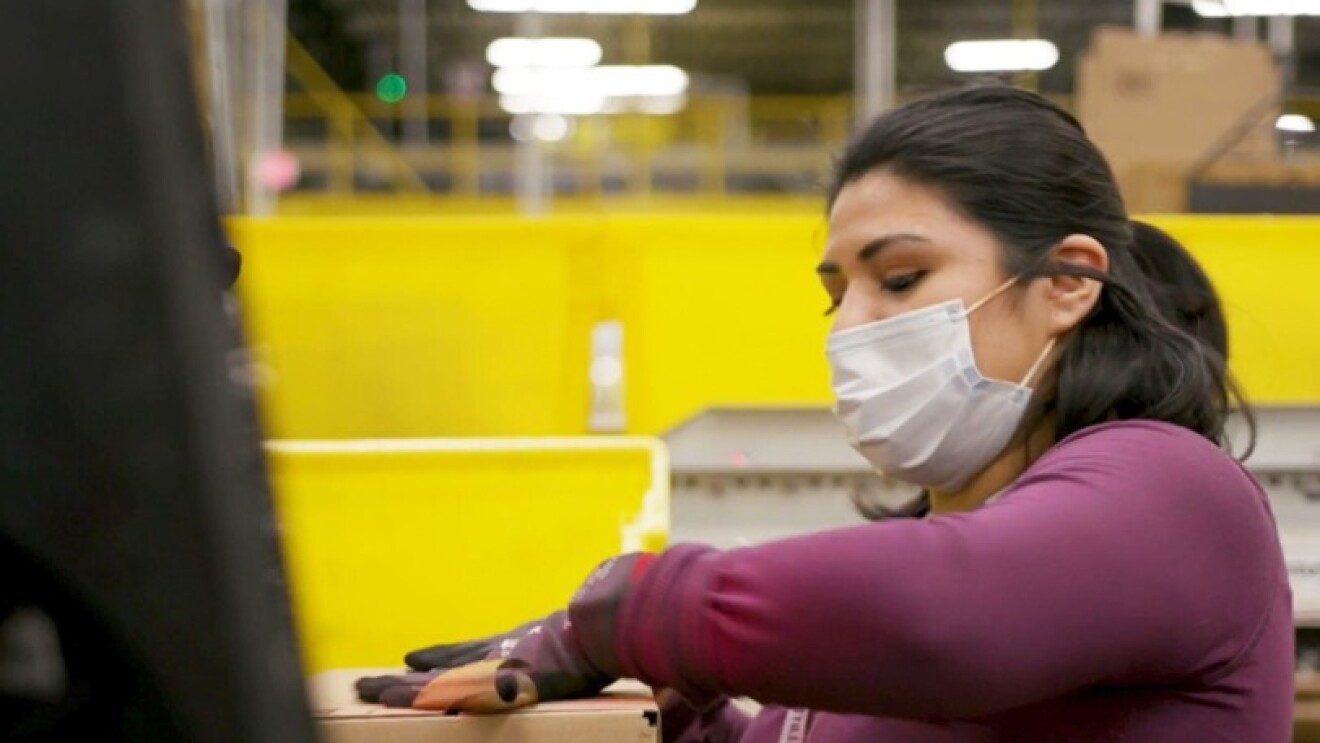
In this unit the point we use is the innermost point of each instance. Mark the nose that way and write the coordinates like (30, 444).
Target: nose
(855, 308)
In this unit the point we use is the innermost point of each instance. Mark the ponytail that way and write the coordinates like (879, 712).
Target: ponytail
(1154, 347)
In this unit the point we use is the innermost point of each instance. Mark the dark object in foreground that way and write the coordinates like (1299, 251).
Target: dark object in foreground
(140, 596)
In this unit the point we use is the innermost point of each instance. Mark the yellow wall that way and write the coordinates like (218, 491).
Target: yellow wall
(472, 326)
(398, 327)
(1265, 269)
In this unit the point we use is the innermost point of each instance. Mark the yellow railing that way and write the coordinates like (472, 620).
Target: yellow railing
(696, 150)
(348, 126)
(715, 147)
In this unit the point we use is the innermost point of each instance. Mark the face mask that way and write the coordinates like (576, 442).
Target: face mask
(913, 402)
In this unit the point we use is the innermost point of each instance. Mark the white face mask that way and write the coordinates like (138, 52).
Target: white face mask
(913, 402)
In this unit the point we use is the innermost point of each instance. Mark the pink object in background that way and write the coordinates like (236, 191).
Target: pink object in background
(278, 170)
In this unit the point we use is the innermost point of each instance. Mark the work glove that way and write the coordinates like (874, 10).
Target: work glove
(399, 690)
(452, 655)
(570, 655)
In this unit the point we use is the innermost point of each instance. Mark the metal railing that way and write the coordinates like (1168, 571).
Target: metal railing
(716, 144)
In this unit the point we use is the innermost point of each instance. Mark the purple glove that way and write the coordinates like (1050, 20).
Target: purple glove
(568, 656)
(399, 690)
(452, 655)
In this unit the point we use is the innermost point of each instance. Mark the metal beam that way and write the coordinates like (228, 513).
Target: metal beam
(1280, 30)
(1148, 16)
(265, 89)
(219, 21)
(413, 67)
(532, 177)
(1246, 28)
(875, 56)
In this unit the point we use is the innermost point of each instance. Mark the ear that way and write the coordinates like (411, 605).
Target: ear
(1071, 298)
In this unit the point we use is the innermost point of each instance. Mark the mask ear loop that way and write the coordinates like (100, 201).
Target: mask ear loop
(1040, 361)
(978, 304)
(1049, 345)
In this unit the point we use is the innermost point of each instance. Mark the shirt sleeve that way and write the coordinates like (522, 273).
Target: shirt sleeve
(1131, 553)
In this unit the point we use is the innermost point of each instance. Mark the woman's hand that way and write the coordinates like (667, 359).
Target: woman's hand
(546, 664)
(399, 690)
(569, 655)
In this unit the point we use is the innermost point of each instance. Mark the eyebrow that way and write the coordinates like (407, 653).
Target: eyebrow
(870, 250)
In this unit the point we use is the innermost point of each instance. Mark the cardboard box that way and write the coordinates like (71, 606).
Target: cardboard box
(1156, 105)
(626, 714)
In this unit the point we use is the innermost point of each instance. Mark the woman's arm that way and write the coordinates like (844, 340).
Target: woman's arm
(1131, 553)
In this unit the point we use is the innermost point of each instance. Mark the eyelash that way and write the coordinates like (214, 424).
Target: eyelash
(897, 285)
(902, 282)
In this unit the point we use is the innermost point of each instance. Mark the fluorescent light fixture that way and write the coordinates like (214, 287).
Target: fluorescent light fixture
(515, 52)
(1226, 8)
(1209, 8)
(1297, 123)
(612, 7)
(587, 104)
(564, 103)
(1001, 55)
(617, 80)
(660, 105)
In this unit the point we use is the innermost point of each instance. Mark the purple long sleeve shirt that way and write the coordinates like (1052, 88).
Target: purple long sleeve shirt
(1129, 586)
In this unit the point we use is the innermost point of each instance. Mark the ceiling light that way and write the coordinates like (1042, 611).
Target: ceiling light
(613, 7)
(618, 80)
(566, 104)
(515, 52)
(1001, 55)
(1210, 8)
(661, 105)
(1225, 8)
(1297, 123)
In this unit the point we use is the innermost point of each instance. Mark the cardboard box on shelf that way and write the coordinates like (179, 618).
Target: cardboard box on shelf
(1157, 105)
(627, 713)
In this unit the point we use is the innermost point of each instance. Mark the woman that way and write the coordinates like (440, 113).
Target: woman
(1093, 566)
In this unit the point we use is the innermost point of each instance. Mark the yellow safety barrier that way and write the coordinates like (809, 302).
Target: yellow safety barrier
(394, 545)
(480, 325)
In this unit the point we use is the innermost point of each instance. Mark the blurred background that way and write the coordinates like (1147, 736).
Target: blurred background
(481, 105)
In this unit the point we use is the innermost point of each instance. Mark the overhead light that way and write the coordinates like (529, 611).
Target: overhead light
(589, 104)
(1209, 8)
(516, 52)
(661, 105)
(564, 103)
(616, 80)
(1226, 8)
(612, 7)
(1001, 55)
(1297, 123)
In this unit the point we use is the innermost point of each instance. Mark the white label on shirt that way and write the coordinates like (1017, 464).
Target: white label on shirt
(795, 726)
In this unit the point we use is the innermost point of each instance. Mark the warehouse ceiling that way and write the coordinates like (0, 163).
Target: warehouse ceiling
(765, 46)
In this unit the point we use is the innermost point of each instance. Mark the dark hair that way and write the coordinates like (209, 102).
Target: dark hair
(1179, 286)
(1024, 168)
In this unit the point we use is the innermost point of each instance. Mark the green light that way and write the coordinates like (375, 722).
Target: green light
(392, 88)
